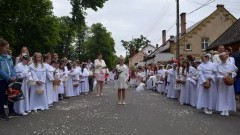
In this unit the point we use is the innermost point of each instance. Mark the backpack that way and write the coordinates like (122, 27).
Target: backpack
(14, 91)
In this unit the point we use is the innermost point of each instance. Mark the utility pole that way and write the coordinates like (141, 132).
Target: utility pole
(177, 34)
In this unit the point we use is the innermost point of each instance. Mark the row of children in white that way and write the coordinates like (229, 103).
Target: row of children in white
(219, 97)
(38, 88)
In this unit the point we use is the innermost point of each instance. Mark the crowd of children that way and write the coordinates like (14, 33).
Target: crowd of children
(46, 79)
(211, 84)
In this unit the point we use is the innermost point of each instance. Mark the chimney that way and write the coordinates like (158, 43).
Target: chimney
(219, 6)
(156, 46)
(163, 36)
(183, 23)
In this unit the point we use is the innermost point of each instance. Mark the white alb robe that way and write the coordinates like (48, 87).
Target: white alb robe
(171, 82)
(38, 101)
(84, 84)
(23, 72)
(226, 96)
(68, 83)
(207, 98)
(191, 87)
(75, 77)
(161, 87)
(49, 82)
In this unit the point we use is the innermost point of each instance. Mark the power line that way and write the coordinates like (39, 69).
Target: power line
(165, 12)
(203, 5)
(156, 21)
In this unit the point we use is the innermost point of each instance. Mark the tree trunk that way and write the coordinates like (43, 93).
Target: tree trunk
(68, 42)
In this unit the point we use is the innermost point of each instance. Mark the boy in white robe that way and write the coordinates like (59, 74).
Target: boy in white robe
(226, 96)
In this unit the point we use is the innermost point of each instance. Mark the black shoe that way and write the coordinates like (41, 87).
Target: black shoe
(14, 115)
(4, 117)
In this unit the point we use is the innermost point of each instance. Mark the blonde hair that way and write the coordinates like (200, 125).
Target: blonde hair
(35, 59)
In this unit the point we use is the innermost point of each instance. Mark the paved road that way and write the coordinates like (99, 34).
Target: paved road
(146, 113)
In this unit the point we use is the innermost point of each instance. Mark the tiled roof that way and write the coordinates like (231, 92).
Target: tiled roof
(230, 36)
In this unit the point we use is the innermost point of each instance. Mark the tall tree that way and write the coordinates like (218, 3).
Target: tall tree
(29, 23)
(101, 41)
(79, 8)
(135, 45)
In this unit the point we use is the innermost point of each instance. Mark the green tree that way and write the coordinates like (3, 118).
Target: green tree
(79, 8)
(135, 45)
(101, 41)
(29, 23)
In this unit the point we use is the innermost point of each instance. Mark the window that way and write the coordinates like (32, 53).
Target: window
(205, 43)
(188, 47)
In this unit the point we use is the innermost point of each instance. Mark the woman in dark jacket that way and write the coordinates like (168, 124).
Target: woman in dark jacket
(7, 74)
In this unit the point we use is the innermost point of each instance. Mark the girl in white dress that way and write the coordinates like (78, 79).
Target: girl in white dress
(84, 77)
(181, 74)
(121, 81)
(23, 72)
(161, 80)
(38, 94)
(68, 81)
(50, 78)
(171, 82)
(191, 85)
(207, 96)
(226, 96)
(75, 73)
(61, 75)
(56, 65)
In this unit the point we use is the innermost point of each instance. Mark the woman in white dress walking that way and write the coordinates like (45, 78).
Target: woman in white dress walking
(121, 80)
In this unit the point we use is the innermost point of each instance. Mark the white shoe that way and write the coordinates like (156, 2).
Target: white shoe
(24, 114)
(98, 95)
(119, 102)
(124, 103)
(210, 112)
(206, 111)
(226, 113)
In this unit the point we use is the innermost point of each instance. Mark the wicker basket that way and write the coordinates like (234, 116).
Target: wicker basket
(75, 85)
(180, 81)
(40, 92)
(207, 84)
(229, 81)
(162, 78)
(56, 82)
(31, 83)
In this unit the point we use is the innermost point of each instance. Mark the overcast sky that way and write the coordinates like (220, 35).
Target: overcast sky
(127, 19)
